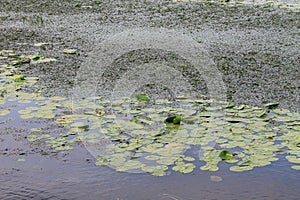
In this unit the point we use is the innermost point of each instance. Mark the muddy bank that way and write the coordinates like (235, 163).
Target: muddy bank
(256, 48)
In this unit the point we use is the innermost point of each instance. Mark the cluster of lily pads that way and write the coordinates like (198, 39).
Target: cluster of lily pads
(142, 134)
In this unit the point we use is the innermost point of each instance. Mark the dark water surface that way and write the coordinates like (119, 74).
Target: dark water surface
(46, 174)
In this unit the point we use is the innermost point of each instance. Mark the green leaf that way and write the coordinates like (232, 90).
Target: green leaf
(240, 168)
(216, 178)
(102, 160)
(143, 97)
(130, 165)
(159, 170)
(175, 119)
(271, 105)
(40, 44)
(20, 62)
(18, 78)
(293, 159)
(70, 51)
(77, 5)
(184, 167)
(98, 2)
(296, 167)
(262, 113)
(4, 112)
(225, 155)
(230, 104)
(37, 56)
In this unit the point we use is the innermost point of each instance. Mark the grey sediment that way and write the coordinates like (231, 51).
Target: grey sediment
(256, 48)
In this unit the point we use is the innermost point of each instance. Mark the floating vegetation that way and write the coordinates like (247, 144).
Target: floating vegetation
(40, 58)
(4, 112)
(40, 44)
(216, 178)
(18, 77)
(226, 155)
(69, 51)
(136, 137)
(183, 167)
(139, 135)
(21, 160)
(143, 97)
(174, 119)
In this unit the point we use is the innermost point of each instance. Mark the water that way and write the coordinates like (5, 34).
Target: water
(73, 175)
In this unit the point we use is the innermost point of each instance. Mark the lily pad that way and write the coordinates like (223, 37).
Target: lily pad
(44, 60)
(240, 168)
(296, 167)
(226, 155)
(293, 159)
(143, 97)
(262, 113)
(63, 121)
(37, 56)
(175, 119)
(271, 105)
(18, 78)
(184, 167)
(130, 165)
(216, 178)
(40, 44)
(69, 51)
(4, 112)
(159, 170)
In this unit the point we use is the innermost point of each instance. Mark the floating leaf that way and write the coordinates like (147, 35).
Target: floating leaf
(162, 101)
(20, 62)
(226, 155)
(184, 167)
(19, 78)
(40, 44)
(77, 5)
(63, 121)
(21, 160)
(216, 178)
(271, 105)
(293, 159)
(230, 104)
(240, 168)
(32, 138)
(175, 119)
(296, 167)
(130, 165)
(143, 97)
(64, 148)
(240, 107)
(4, 112)
(69, 51)
(102, 160)
(187, 158)
(262, 113)
(57, 98)
(37, 56)
(43, 60)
